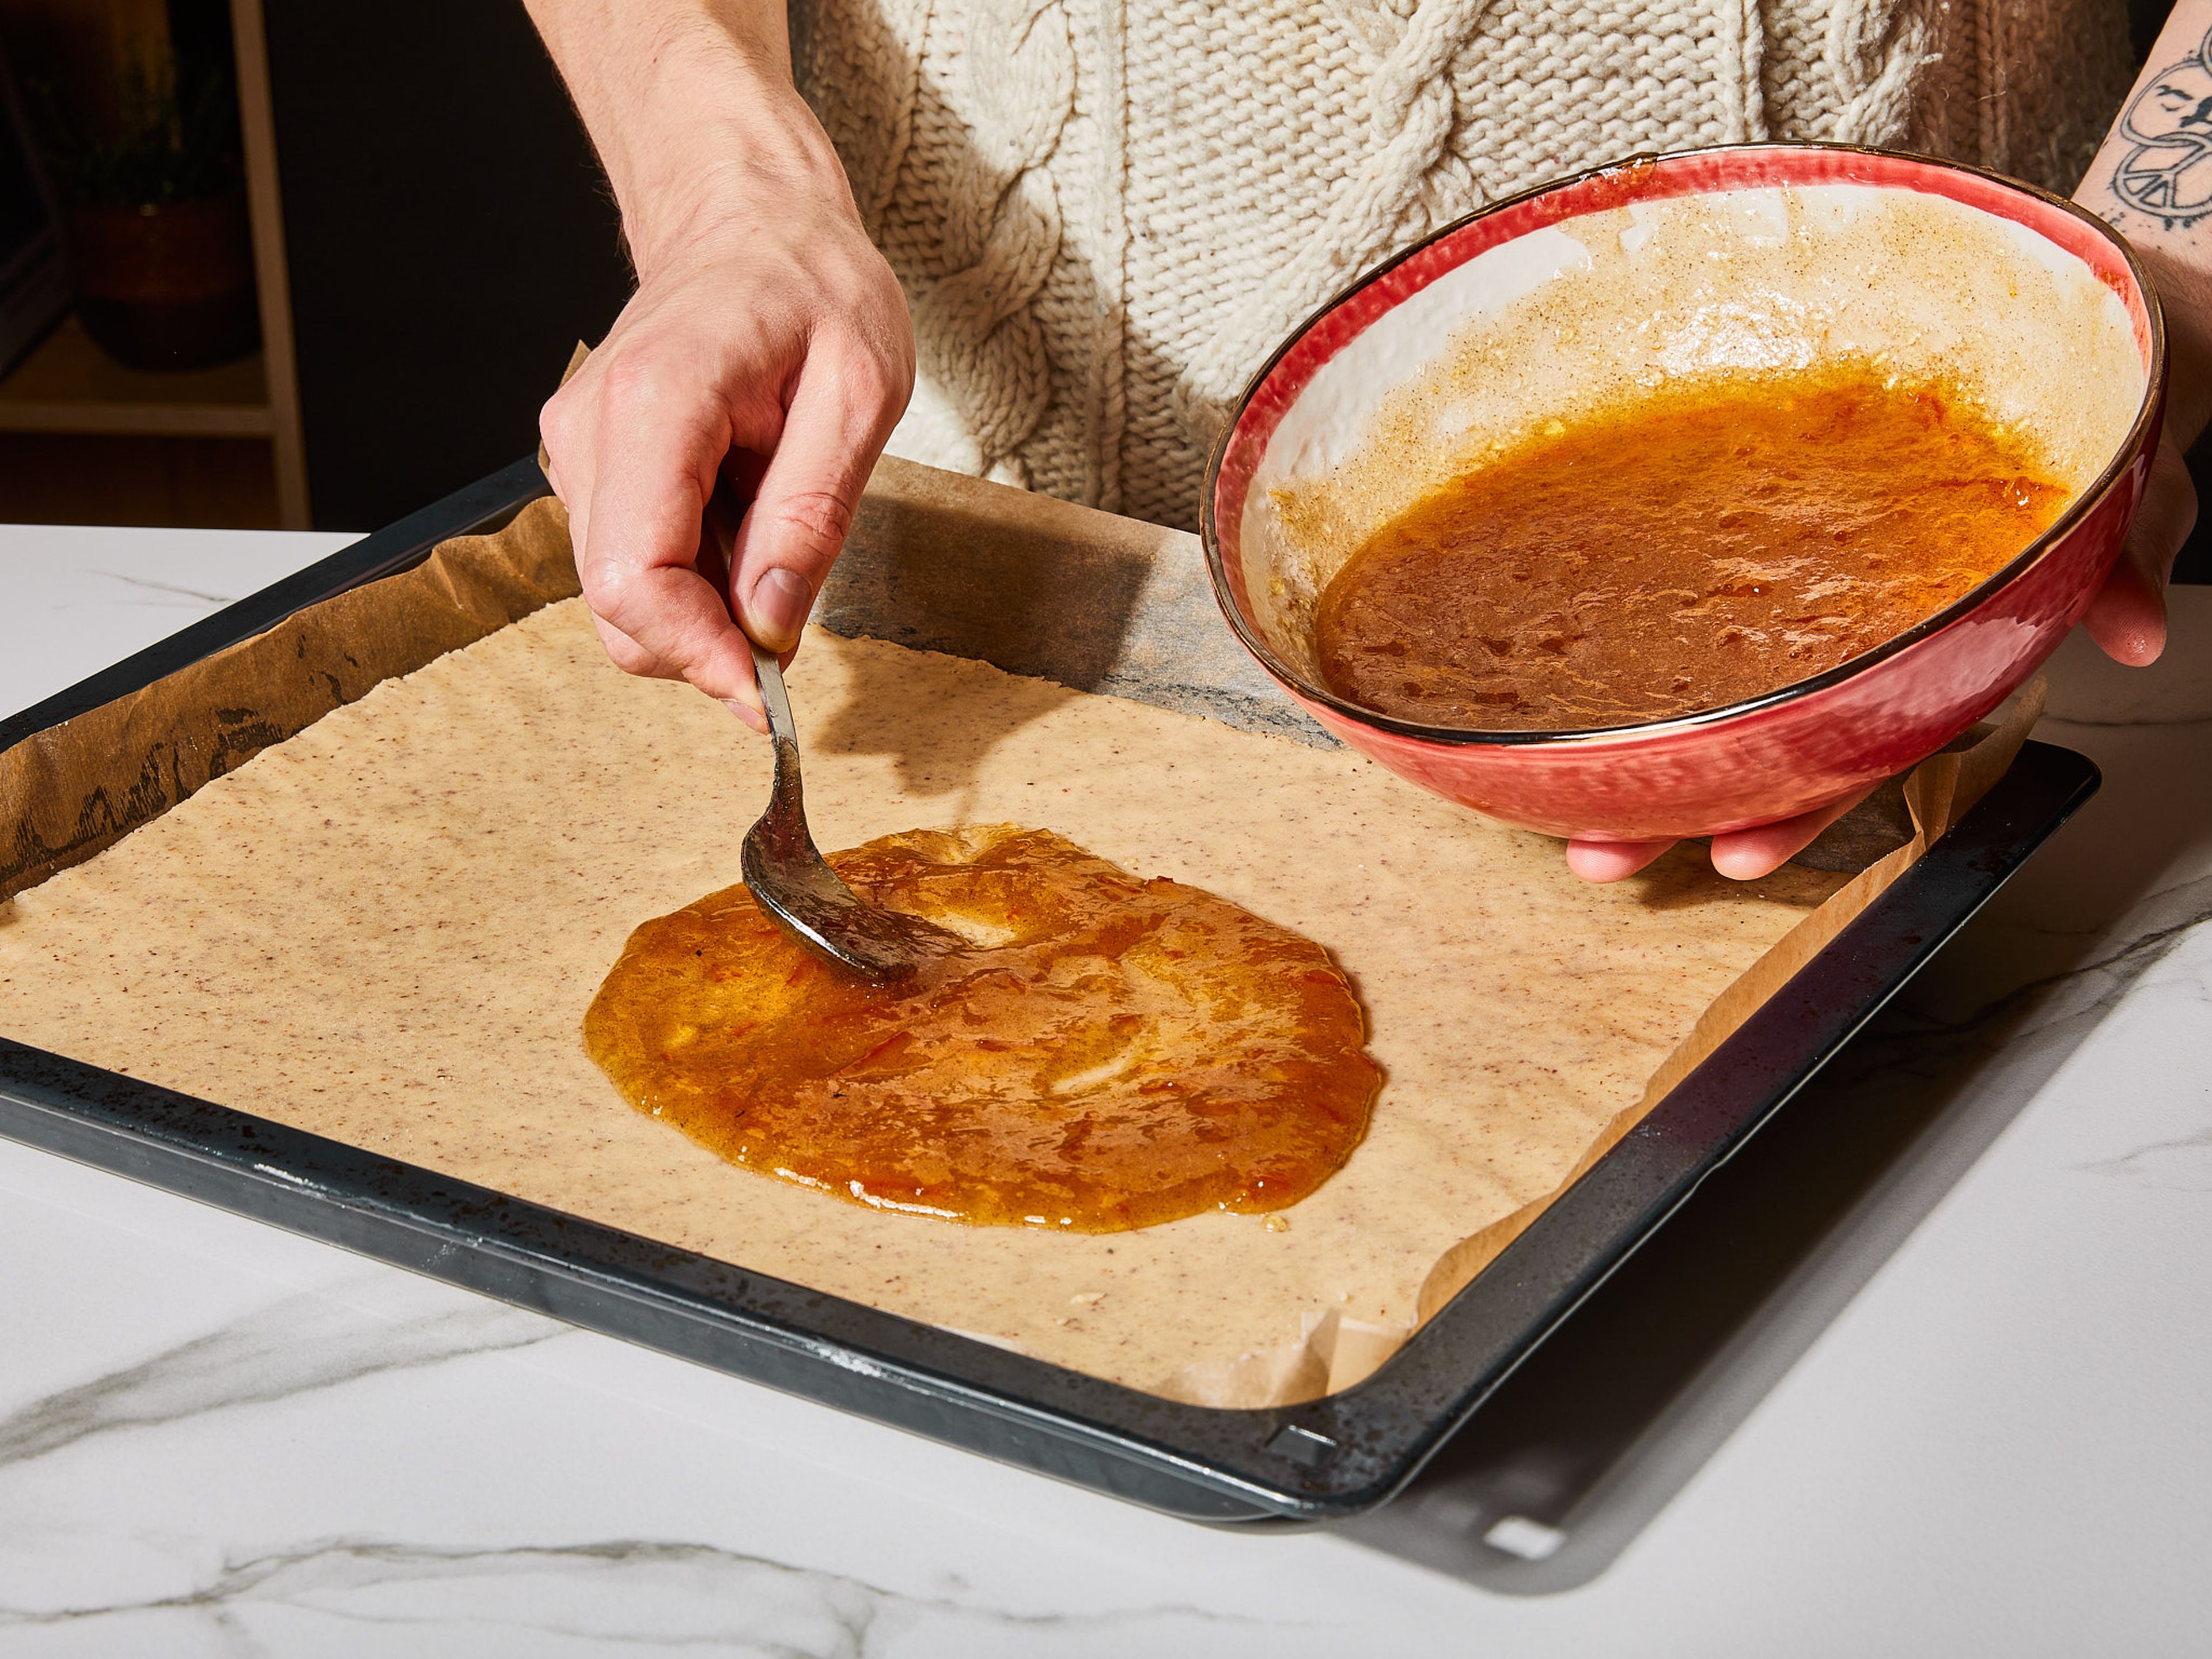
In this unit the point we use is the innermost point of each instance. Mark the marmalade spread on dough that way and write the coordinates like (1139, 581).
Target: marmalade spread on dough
(1682, 552)
(1095, 1052)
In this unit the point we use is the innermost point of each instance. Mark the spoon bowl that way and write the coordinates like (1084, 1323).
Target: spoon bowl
(789, 878)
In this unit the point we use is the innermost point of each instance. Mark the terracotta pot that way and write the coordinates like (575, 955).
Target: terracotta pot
(168, 287)
(1753, 255)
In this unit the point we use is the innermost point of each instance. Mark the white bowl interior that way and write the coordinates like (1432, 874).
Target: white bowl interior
(1579, 315)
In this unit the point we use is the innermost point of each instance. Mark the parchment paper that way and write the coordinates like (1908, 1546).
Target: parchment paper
(386, 929)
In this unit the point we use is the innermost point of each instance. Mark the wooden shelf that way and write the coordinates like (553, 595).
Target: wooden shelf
(63, 401)
(69, 385)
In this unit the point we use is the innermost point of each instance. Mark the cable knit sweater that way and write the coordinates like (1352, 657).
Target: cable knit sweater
(1106, 212)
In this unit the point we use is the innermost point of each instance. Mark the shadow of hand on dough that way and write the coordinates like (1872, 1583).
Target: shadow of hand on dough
(939, 744)
(1027, 603)
(1685, 878)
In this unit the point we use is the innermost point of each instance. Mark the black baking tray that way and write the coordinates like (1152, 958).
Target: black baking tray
(1331, 1457)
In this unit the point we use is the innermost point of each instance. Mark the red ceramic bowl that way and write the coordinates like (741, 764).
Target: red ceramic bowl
(1752, 257)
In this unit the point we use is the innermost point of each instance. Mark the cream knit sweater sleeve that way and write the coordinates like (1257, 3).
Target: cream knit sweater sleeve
(1106, 212)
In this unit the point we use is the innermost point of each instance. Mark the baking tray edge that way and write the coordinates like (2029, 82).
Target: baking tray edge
(1334, 1456)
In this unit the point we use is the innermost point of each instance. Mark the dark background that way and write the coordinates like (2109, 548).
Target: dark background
(451, 239)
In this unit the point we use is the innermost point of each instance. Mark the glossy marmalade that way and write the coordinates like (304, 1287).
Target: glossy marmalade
(1099, 1051)
(1682, 552)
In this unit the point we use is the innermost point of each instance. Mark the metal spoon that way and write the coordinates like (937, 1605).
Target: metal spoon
(790, 879)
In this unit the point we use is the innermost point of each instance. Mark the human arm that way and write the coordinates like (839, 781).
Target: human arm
(2152, 181)
(765, 332)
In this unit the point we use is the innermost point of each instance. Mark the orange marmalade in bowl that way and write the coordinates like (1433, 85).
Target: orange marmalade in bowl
(1691, 549)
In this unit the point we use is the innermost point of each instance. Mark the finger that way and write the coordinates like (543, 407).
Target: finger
(678, 619)
(1612, 860)
(2127, 618)
(627, 654)
(564, 425)
(841, 414)
(631, 657)
(642, 542)
(1747, 855)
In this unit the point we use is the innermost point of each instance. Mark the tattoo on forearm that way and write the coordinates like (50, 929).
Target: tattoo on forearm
(2168, 174)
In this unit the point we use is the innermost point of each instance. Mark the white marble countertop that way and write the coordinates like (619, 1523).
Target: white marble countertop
(1976, 1417)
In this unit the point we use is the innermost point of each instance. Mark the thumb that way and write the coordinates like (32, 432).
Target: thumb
(796, 526)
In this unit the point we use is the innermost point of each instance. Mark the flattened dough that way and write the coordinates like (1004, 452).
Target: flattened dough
(386, 930)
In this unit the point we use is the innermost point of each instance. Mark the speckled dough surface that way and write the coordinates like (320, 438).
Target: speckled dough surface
(386, 930)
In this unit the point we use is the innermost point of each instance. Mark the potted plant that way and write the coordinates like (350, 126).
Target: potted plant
(153, 207)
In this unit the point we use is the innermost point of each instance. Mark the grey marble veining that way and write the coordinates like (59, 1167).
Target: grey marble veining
(292, 1347)
(2183, 1163)
(170, 594)
(618, 1595)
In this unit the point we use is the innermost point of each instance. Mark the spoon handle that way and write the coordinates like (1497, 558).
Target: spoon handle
(785, 820)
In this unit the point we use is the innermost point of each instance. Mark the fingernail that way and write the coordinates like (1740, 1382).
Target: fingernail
(779, 607)
(745, 711)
